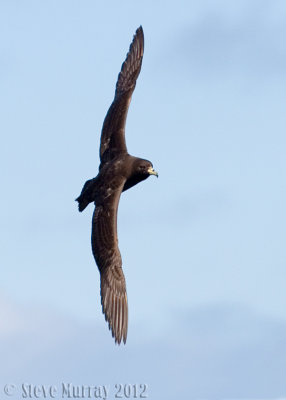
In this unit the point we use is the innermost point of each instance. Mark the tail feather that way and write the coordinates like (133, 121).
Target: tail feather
(87, 194)
(82, 203)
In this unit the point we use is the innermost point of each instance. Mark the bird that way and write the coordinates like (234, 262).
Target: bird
(118, 172)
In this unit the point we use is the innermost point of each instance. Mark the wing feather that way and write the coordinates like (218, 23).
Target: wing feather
(107, 256)
(113, 130)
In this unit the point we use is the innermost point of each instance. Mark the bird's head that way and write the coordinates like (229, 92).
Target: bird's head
(145, 167)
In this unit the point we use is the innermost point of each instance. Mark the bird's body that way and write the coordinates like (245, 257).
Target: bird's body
(118, 171)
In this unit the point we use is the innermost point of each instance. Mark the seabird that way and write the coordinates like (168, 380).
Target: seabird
(118, 171)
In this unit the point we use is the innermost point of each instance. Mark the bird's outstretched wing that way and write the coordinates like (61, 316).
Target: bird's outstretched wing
(107, 256)
(113, 130)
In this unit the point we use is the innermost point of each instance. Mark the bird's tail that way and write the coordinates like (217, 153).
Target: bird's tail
(82, 202)
(87, 194)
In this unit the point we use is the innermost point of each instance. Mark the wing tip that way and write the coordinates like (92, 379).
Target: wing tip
(115, 310)
(118, 328)
(131, 67)
(139, 34)
(138, 40)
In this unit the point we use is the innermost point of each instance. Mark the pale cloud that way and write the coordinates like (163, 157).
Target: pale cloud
(208, 352)
(247, 43)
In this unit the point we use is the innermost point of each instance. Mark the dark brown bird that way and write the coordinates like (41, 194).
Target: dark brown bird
(118, 171)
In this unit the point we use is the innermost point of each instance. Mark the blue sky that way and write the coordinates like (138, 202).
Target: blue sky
(203, 246)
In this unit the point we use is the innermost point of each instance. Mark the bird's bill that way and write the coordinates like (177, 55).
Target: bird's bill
(151, 171)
